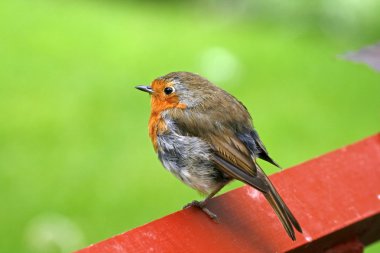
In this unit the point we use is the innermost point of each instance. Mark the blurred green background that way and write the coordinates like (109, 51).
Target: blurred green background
(76, 163)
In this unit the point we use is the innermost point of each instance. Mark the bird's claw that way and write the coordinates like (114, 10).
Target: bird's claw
(202, 205)
(196, 203)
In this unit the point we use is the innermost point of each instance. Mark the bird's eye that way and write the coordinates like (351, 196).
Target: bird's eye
(168, 90)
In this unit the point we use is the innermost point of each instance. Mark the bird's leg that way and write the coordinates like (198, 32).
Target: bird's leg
(202, 204)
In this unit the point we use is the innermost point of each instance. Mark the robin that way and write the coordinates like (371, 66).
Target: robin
(205, 137)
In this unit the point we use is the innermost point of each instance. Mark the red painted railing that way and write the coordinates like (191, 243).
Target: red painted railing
(335, 197)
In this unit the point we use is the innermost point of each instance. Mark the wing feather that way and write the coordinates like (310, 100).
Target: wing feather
(234, 152)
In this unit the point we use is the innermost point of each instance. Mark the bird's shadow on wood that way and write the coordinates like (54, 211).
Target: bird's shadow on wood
(239, 222)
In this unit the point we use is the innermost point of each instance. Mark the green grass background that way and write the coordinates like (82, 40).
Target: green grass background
(76, 163)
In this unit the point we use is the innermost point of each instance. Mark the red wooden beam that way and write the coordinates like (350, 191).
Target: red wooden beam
(335, 197)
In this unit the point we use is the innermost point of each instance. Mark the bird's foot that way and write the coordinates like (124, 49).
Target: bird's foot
(202, 205)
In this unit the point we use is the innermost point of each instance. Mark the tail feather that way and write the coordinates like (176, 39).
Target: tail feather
(290, 215)
(284, 214)
(281, 214)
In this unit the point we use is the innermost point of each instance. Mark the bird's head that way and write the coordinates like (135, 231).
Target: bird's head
(179, 90)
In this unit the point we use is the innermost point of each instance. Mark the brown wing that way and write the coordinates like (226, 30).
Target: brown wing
(233, 158)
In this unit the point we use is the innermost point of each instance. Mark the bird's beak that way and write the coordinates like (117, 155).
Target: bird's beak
(145, 88)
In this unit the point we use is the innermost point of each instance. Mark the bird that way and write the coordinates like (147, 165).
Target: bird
(205, 137)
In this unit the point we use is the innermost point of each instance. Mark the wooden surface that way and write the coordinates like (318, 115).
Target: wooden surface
(335, 197)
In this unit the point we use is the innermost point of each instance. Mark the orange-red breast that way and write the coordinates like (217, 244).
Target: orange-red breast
(205, 137)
